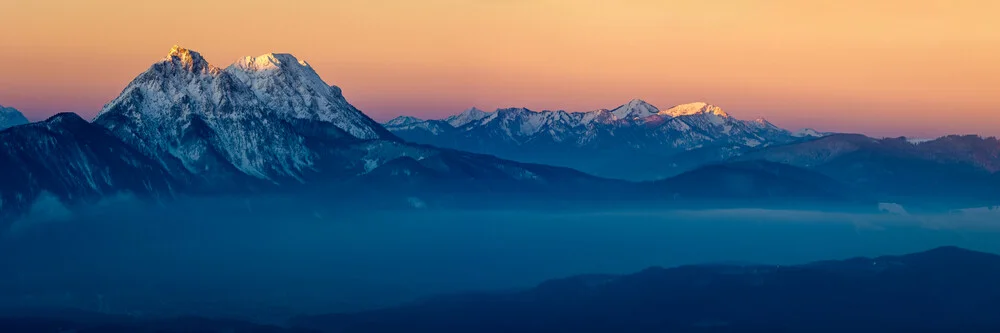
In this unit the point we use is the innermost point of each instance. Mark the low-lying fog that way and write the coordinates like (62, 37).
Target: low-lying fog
(266, 259)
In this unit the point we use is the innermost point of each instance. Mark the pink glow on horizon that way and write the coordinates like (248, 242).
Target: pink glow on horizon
(885, 68)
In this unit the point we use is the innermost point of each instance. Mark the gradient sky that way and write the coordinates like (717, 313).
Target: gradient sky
(916, 68)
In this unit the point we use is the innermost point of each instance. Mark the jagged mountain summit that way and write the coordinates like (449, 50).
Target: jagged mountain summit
(10, 117)
(291, 88)
(196, 118)
(659, 143)
(467, 116)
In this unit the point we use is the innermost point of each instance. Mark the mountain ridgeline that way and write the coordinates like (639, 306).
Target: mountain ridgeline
(635, 141)
(954, 286)
(699, 152)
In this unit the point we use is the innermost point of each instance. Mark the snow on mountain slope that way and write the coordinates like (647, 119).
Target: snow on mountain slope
(918, 141)
(635, 109)
(195, 118)
(11, 117)
(468, 116)
(694, 109)
(684, 126)
(291, 88)
(403, 121)
(809, 132)
(407, 123)
(263, 120)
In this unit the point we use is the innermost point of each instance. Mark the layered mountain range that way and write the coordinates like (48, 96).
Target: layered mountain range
(270, 124)
(655, 143)
(266, 123)
(709, 154)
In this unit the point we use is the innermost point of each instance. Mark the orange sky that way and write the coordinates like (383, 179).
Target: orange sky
(917, 68)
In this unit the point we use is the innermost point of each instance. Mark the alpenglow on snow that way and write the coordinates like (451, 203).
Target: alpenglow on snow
(658, 143)
(193, 116)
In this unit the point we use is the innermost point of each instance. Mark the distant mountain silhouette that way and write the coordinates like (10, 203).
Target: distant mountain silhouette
(952, 170)
(946, 289)
(762, 181)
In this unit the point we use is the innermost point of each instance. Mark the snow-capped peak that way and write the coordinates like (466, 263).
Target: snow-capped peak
(7, 110)
(193, 118)
(270, 61)
(467, 116)
(808, 132)
(403, 121)
(634, 109)
(693, 109)
(917, 141)
(189, 60)
(11, 117)
(291, 88)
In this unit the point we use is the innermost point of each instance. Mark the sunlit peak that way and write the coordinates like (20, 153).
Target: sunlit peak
(693, 109)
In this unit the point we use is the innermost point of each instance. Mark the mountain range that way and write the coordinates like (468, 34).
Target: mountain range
(266, 123)
(270, 124)
(704, 152)
(656, 144)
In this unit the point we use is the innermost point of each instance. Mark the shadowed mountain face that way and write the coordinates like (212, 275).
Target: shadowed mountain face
(72, 160)
(635, 141)
(942, 290)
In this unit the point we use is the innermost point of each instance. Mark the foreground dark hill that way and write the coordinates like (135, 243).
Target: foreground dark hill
(946, 289)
